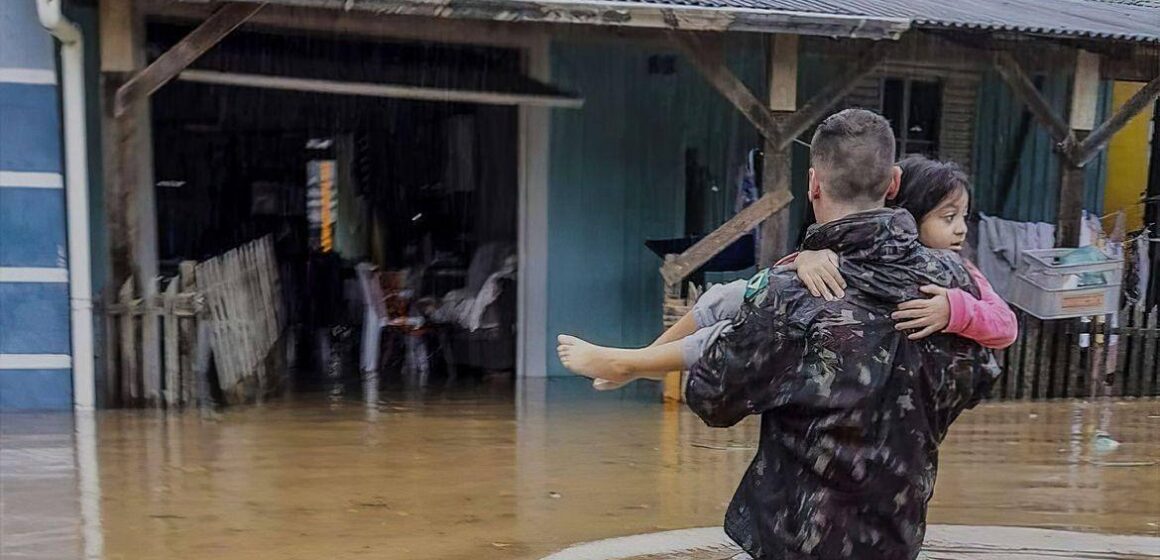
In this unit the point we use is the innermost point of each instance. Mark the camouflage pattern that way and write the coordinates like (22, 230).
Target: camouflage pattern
(852, 412)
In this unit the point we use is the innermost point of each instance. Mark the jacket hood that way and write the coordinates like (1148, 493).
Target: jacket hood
(880, 255)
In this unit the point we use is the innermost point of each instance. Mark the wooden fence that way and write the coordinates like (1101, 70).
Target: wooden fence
(1058, 359)
(229, 307)
(1083, 358)
(243, 299)
(175, 307)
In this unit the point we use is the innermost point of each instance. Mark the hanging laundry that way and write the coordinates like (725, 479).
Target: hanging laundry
(1090, 231)
(1143, 266)
(1001, 244)
(747, 194)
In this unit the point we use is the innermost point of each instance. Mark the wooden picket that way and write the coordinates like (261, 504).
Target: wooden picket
(1075, 358)
(176, 309)
(243, 303)
(237, 296)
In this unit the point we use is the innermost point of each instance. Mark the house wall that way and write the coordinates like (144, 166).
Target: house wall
(1128, 162)
(617, 178)
(1034, 193)
(35, 369)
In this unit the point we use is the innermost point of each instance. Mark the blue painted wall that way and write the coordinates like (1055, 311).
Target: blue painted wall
(34, 308)
(617, 178)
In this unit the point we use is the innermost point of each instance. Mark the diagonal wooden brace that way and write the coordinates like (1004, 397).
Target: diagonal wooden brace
(1009, 69)
(822, 102)
(1099, 137)
(708, 55)
(211, 31)
(700, 253)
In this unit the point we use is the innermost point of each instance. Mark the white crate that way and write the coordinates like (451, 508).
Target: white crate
(1049, 289)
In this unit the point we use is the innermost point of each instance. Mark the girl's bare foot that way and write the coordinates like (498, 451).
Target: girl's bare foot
(590, 360)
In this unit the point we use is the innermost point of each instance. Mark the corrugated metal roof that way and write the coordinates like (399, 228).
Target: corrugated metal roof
(1126, 20)
(1131, 20)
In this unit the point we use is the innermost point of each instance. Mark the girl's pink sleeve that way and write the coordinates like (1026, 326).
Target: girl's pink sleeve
(786, 259)
(987, 320)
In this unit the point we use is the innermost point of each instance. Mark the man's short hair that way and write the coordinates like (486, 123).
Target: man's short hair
(854, 151)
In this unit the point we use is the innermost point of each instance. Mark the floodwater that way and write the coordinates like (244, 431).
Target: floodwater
(505, 473)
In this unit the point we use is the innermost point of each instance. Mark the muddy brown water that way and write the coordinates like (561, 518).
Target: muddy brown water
(508, 474)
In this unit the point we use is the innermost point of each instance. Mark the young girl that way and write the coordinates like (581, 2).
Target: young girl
(936, 193)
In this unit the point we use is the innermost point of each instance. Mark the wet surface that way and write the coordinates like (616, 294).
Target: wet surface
(501, 473)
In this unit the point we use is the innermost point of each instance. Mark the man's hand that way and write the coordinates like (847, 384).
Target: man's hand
(818, 271)
(930, 315)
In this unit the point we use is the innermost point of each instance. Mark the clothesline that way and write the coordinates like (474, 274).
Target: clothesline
(1133, 206)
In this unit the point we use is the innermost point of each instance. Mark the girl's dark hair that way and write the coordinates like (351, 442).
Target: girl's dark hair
(926, 183)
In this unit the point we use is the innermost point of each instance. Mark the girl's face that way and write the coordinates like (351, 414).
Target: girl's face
(945, 227)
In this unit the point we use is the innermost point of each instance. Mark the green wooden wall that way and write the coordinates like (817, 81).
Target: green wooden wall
(1034, 193)
(617, 178)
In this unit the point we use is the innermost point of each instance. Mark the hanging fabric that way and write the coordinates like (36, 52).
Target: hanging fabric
(1000, 246)
(747, 194)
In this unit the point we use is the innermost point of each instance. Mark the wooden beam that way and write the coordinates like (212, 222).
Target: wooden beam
(1085, 91)
(777, 174)
(629, 14)
(188, 49)
(359, 24)
(1025, 91)
(380, 90)
(708, 56)
(118, 36)
(816, 108)
(1138, 65)
(778, 163)
(783, 72)
(1099, 137)
(1071, 188)
(744, 221)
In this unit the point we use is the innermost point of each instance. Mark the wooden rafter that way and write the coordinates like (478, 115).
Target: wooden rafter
(1024, 89)
(211, 31)
(1075, 152)
(1099, 137)
(822, 102)
(700, 253)
(708, 55)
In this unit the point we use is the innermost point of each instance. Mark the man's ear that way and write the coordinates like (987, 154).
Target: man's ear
(815, 188)
(895, 182)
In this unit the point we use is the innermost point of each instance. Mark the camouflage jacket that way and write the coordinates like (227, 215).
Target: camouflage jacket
(852, 412)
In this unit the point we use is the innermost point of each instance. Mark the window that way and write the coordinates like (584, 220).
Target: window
(914, 108)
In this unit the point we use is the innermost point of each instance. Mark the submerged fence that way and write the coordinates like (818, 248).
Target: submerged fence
(229, 307)
(1083, 358)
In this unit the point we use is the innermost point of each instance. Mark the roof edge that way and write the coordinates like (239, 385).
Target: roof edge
(626, 14)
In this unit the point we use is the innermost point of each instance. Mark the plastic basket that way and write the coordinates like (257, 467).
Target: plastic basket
(1048, 288)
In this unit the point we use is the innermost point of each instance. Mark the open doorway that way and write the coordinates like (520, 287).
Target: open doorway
(420, 191)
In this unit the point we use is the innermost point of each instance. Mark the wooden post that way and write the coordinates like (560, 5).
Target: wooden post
(1084, 105)
(672, 387)
(778, 161)
(187, 329)
(171, 335)
(130, 383)
(129, 196)
(1071, 191)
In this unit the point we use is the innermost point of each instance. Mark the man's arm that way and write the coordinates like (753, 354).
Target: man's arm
(741, 370)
